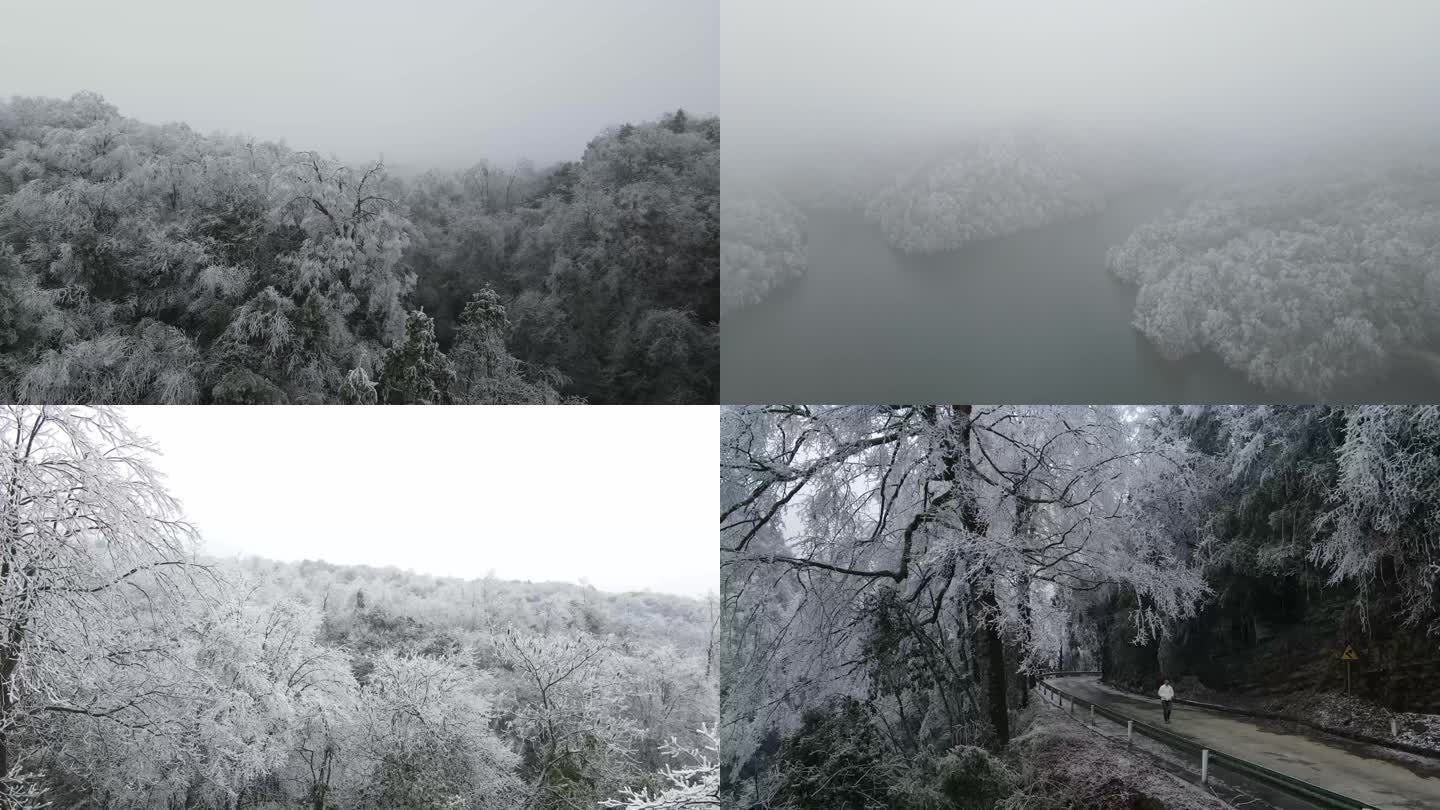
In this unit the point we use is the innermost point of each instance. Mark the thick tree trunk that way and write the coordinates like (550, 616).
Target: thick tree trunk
(990, 662)
(989, 647)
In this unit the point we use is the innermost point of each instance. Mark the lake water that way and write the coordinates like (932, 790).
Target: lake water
(1031, 318)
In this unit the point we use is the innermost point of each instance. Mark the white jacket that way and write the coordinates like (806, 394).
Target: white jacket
(1167, 692)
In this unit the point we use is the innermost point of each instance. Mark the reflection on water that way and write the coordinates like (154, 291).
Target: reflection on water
(1031, 318)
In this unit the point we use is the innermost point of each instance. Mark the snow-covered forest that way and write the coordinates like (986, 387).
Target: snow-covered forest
(1305, 277)
(930, 197)
(762, 246)
(153, 264)
(1312, 274)
(1272, 212)
(992, 186)
(894, 576)
(135, 673)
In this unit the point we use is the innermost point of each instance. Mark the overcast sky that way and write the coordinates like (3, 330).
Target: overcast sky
(621, 496)
(433, 82)
(1239, 68)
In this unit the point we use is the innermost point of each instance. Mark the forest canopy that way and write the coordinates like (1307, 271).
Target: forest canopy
(1308, 277)
(152, 264)
(135, 673)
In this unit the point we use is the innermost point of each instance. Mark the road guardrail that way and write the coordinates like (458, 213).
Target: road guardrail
(1289, 785)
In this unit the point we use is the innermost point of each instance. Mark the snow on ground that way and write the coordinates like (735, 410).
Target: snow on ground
(1067, 765)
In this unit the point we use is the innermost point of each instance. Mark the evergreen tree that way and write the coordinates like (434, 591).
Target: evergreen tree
(486, 372)
(416, 372)
(358, 388)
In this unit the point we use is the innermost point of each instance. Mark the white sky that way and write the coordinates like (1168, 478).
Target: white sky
(802, 69)
(622, 496)
(428, 82)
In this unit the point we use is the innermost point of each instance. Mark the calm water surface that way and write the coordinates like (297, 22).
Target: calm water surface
(1032, 318)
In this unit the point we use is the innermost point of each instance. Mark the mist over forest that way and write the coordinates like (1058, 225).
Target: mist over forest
(1253, 191)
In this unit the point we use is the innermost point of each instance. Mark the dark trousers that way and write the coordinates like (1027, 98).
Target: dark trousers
(1165, 704)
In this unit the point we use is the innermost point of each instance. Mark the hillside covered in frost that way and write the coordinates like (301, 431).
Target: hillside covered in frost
(992, 187)
(152, 264)
(1315, 276)
(762, 246)
(140, 674)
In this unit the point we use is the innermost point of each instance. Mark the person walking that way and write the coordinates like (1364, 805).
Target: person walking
(1167, 694)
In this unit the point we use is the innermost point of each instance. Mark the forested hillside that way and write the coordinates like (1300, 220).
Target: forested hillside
(930, 196)
(984, 188)
(152, 264)
(452, 605)
(135, 674)
(1320, 534)
(1312, 271)
(762, 245)
(1307, 278)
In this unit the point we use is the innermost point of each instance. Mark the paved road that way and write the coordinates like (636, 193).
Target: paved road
(1383, 785)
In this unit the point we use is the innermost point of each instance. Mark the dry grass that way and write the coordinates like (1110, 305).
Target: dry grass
(1066, 767)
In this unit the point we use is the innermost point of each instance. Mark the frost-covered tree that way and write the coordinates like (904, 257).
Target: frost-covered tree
(358, 388)
(1384, 510)
(84, 526)
(485, 371)
(904, 557)
(696, 784)
(566, 714)
(420, 740)
(416, 372)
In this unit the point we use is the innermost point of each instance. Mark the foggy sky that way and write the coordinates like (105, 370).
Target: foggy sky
(621, 496)
(816, 69)
(427, 82)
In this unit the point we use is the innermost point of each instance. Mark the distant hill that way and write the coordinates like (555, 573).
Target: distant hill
(459, 605)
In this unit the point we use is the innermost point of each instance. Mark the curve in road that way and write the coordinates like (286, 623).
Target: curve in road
(1381, 784)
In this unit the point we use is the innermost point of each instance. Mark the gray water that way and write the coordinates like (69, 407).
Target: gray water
(1033, 318)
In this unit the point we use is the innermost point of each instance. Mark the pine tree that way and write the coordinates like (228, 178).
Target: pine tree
(485, 371)
(416, 372)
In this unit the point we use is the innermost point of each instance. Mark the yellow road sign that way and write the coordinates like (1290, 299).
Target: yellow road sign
(1349, 654)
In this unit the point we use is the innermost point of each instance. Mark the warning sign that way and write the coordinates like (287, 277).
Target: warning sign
(1349, 654)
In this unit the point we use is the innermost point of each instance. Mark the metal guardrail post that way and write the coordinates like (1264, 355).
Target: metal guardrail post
(1204, 764)
(1394, 731)
(1129, 733)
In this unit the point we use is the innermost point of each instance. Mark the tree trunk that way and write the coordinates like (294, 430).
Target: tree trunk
(1023, 512)
(9, 659)
(990, 663)
(989, 647)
